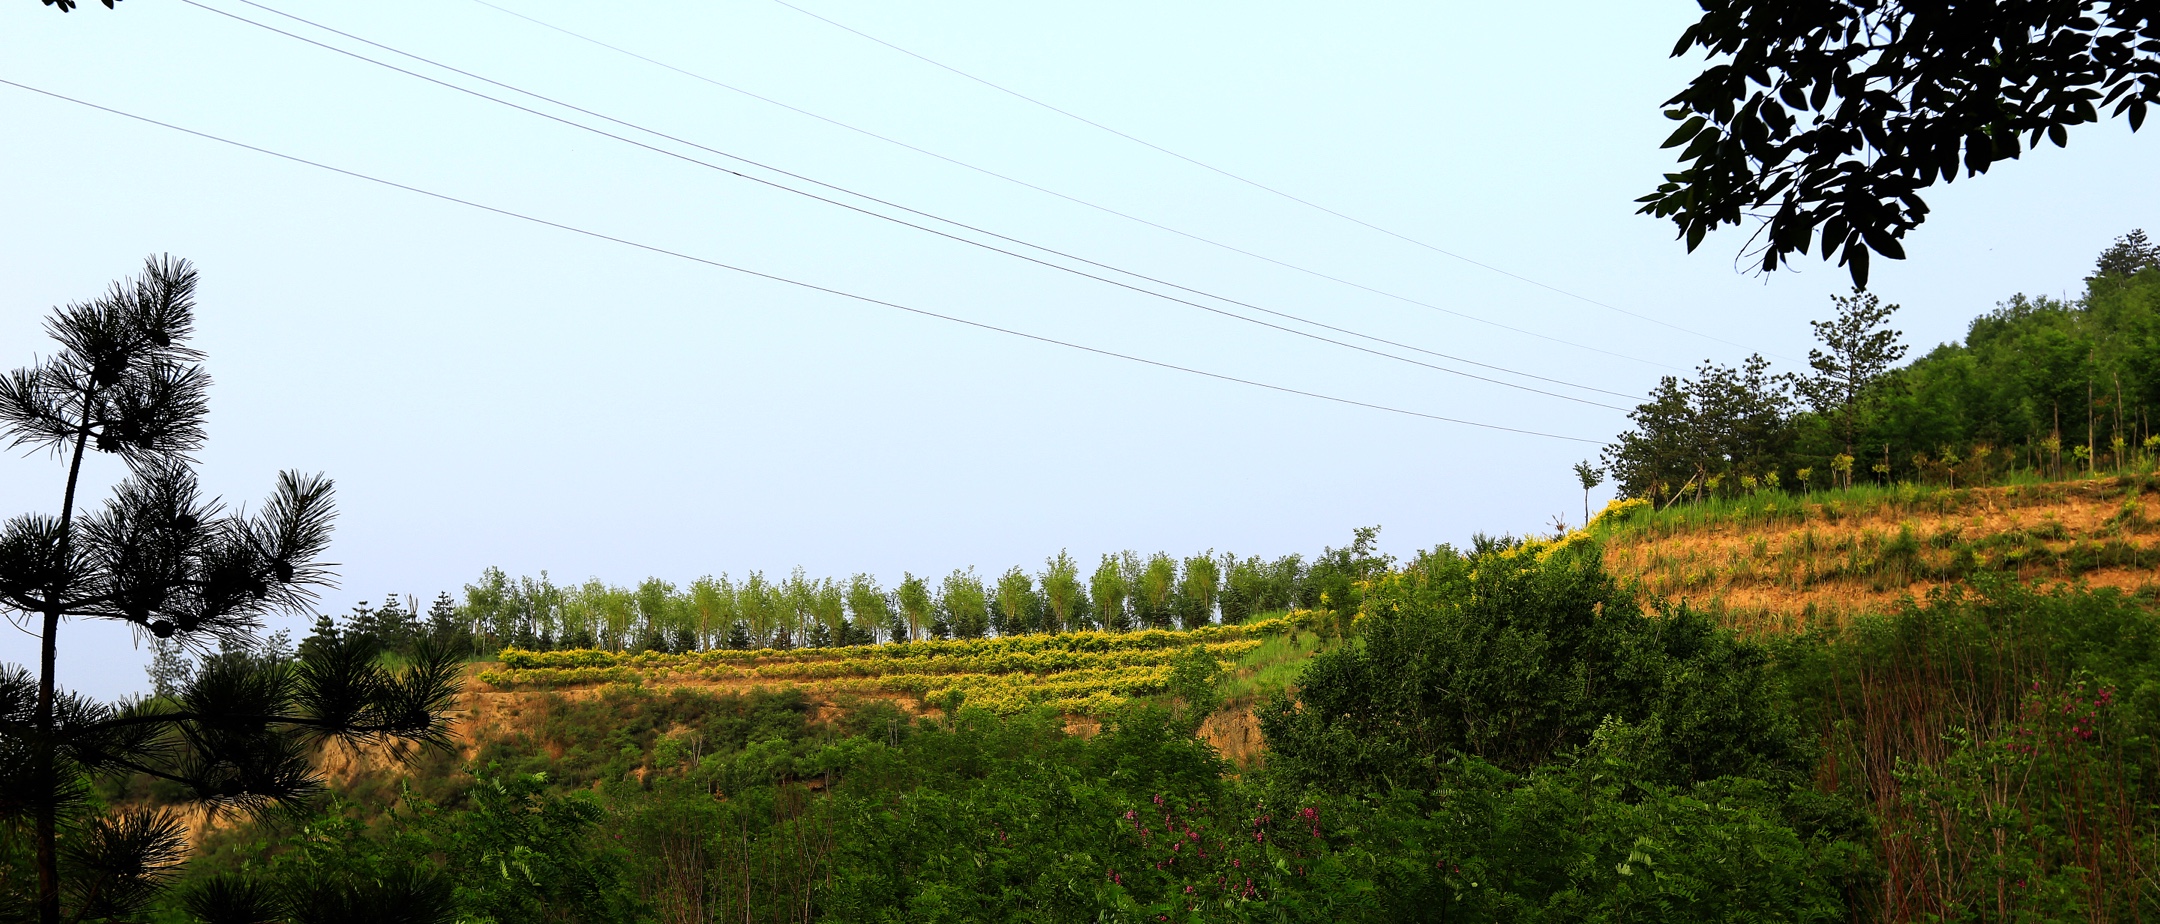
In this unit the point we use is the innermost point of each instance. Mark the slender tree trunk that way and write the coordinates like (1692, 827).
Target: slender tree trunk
(2118, 409)
(44, 767)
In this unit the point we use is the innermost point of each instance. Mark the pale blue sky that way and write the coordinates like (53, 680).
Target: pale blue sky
(486, 391)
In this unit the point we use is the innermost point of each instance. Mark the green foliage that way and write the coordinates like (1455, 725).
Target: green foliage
(2039, 388)
(1110, 592)
(1334, 584)
(1696, 436)
(1064, 599)
(1195, 680)
(1515, 653)
(965, 605)
(1506, 736)
(1155, 592)
(512, 852)
(2005, 737)
(627, 732)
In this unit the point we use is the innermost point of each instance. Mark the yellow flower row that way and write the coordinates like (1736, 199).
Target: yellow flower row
(1061, 643)
(1084, 692)
(1037, 663)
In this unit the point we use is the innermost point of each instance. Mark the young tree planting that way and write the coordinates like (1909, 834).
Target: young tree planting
(918, 609)
(1589, 477)
(1063, 597)
(1110, 590)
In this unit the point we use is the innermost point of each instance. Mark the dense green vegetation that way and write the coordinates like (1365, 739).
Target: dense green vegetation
(1510, 734)
(2040, 387)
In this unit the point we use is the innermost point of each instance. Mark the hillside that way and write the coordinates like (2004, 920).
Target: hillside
(1779, 562)
(1771, 563)
(1500, 713)
(1083, 676)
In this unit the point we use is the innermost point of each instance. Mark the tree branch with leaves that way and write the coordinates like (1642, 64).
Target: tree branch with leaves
(1825, 120)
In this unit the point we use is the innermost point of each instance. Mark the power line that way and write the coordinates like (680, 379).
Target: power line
(1249, 182)
(1065, 196)
(783, 279)
(899, 221)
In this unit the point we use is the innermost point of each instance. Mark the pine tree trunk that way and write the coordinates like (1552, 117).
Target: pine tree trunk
(44, 767)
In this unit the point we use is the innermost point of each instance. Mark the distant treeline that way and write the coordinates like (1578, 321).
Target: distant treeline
(1123, 591)
(2040, 386)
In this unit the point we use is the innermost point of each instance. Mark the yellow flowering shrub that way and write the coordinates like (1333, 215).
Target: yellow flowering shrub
(1085, 673)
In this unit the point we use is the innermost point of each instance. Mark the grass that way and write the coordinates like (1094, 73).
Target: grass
(1776, 561)
(1271, 666)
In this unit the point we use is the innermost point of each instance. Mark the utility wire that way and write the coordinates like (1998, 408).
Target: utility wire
(973, 243)
(783, 279)
(1249, 182)
(1067, 197)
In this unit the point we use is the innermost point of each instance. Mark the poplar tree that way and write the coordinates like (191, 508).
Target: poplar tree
(964, 604)
(1156, 590)
(868, 605)
(1110, 589)
(1198, 583)
(182, 568)
(1016, 599)
(1062, 596)
(917, 608)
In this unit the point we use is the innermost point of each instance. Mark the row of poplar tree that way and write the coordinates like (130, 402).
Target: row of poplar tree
(1122, 592)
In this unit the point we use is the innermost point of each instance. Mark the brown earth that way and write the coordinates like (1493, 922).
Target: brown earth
(1831, 563)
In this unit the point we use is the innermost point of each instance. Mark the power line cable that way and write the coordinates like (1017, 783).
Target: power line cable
(783, 279)
(899, 221)
(1249, 182)
(1065, 196)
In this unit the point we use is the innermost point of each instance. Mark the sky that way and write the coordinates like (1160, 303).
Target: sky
(490, 391)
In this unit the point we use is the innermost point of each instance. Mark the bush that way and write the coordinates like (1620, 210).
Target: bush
(1514, 654)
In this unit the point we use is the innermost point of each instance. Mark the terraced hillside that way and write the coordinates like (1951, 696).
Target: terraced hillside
(1083, 675)
(1777, 562)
